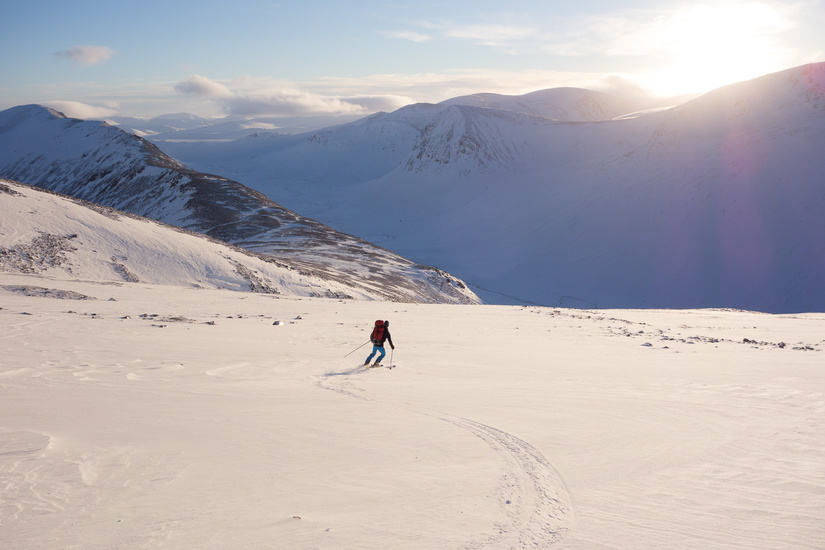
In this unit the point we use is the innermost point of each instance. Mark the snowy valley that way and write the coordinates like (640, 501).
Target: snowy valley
(714, 203)
(194, 378)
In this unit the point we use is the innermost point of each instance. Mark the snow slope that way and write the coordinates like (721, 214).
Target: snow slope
(151, 416)
(715, 203)
(562, 104)
(103, 164)
(63, 238)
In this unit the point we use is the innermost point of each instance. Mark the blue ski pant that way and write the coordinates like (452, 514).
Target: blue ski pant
(379, 349)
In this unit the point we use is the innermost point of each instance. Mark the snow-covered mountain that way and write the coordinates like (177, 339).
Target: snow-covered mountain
(562, 104)
(55, 236)
(107, 166)
(569, 104)
(560, 199)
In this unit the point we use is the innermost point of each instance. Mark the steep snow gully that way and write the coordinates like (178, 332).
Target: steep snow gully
(533, 504)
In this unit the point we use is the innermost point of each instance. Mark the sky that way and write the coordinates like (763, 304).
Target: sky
(97, 59)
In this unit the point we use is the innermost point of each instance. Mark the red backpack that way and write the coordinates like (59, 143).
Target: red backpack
(378, 333)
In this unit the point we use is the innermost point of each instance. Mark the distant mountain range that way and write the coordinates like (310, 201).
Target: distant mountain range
(568, 197)
(564, 197)
(559, 103)
(107, 166)
(189, 127)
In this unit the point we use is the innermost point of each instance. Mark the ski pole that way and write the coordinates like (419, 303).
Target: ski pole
(392, 350)
(356, 349)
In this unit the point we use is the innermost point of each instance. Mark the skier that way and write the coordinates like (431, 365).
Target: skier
(380, 334)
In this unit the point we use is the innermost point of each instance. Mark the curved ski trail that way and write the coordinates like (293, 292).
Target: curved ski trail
(535, 505)
(532, 495)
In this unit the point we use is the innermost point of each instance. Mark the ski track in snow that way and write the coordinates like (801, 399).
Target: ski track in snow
(535, 506)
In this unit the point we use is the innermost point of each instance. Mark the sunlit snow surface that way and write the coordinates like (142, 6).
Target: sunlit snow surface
(154, 416)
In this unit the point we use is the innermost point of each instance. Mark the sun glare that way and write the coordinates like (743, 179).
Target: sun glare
(709, 46)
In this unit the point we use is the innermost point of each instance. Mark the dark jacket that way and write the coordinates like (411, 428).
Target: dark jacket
(385, 338)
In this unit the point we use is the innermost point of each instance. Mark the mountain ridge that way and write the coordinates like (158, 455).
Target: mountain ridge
(54, 236)
(712, 203)
(103, 164)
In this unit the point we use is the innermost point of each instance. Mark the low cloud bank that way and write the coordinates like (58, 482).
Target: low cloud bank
(285, 102)
(86, 55)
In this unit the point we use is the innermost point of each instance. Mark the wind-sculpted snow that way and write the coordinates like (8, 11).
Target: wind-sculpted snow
(104, 165)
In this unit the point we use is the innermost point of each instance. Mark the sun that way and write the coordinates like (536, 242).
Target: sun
(708, 46)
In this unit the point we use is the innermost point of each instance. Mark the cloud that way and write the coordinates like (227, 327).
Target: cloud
(297, 103)
(74, 109)
(86, 55)
(491, 34)
(412, 36)
(202, 86)
(620, 32)
(287, 103)
(674, 32)
(264, 99)
(377, 103)
(501, 35)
